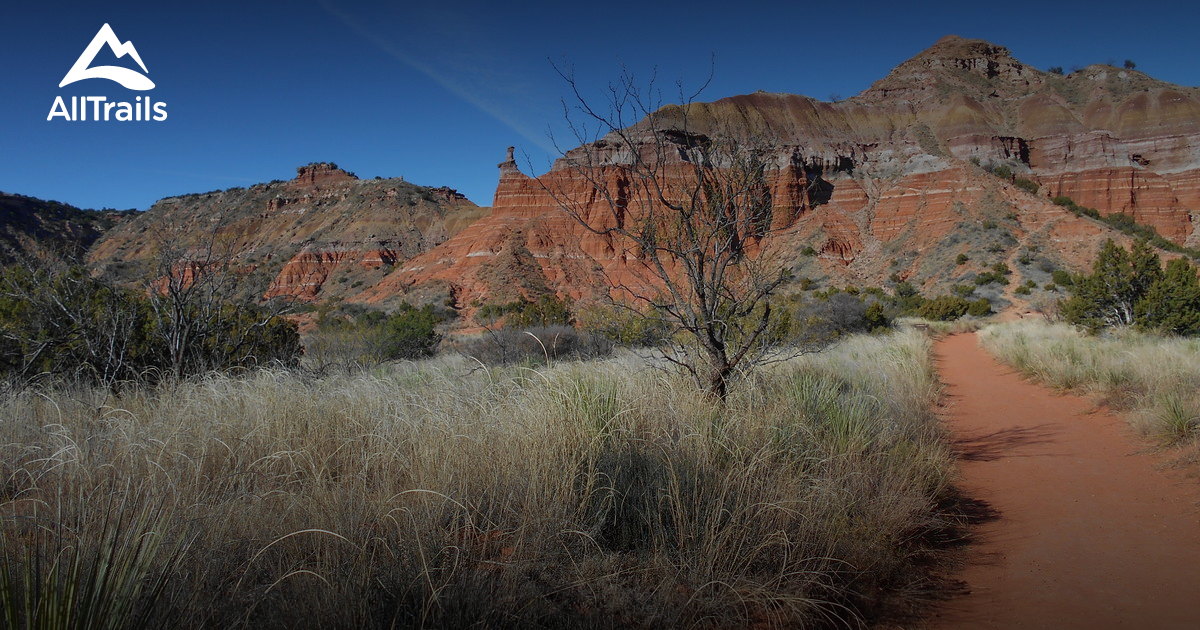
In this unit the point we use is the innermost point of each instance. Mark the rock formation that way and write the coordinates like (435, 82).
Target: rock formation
(894, 182)
(890, 181)
(324, 234)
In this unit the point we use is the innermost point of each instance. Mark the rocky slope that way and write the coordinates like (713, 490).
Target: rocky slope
(895, 182)
(888, 183)
(35, 227)
(325, 234)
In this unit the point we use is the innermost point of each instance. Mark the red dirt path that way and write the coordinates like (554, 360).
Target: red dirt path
(1087, 534)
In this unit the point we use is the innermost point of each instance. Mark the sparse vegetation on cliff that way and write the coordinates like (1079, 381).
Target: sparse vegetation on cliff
(1127, 225)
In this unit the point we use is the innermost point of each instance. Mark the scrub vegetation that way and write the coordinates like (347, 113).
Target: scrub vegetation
(442, 493)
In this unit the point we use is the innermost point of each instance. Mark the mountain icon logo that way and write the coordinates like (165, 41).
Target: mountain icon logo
(83, 69)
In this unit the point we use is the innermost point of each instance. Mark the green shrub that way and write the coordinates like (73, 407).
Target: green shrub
(876, 317)
(963, 290)
(1027, 185)
(411, 332)
(808, 251)
(1062, 277)
(625, 326)
(979, 308)
(1172, 303)
(1132, 288)
(962, 259)
(547, 310)
(944, 308)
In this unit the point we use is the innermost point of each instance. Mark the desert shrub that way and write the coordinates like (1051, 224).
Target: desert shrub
(808, 251)
(834, 316)
(944, 308)
(1128, 225)
(535, 345)
(1062, 277)
(61, 322)
(546, 310)
(1022, 290)
(1027, 185)
(625, 326)
(905, 300)
(979, 308)
(1055, 70)
(356, 337)
(962, 259)
(1108, 295)
(411, 332)
(1050, 286)
(988, 277)
(963, 290)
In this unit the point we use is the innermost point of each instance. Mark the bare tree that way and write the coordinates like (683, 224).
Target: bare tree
(55, 319)
(207, 318)
(687, 210)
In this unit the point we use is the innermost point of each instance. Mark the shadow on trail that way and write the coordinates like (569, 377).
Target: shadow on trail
(1002, 443)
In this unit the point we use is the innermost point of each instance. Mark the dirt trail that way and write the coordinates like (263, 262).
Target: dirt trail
(1086, 532)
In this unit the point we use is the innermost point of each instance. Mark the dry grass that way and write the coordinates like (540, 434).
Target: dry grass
(1156, 378)
(939, 329)
(599, 494)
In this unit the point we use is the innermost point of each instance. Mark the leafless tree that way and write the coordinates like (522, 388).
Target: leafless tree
(56, 319)
(688, 210)
(200, 299)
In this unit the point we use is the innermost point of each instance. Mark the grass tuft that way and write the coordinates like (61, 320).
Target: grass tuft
(581, 494)
(1156, 378)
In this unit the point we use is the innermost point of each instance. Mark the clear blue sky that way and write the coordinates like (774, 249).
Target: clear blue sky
(435, 91)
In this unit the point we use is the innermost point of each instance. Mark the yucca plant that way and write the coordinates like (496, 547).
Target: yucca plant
(110, 575)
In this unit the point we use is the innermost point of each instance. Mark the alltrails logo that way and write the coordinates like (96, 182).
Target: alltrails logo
(143, 108)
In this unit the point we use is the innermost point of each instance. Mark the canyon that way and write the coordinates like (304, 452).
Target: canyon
(894, 183)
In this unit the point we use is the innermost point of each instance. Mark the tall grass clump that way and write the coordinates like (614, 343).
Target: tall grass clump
(446, 494)
(1155, 377)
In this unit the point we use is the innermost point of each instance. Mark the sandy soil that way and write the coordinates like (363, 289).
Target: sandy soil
(1085, 529)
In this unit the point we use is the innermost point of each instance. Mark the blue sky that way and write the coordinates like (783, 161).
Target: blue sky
(435, 91)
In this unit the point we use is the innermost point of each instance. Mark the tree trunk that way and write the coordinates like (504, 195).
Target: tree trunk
(718, 376)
